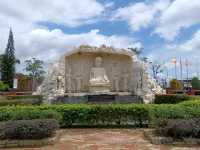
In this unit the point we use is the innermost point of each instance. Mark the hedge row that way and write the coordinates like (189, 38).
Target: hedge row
(173, 98)
(28, 129)
(71, 115)
(180, 128)
(20, 100)
(14, 97)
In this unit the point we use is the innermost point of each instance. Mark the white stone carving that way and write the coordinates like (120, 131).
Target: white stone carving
(99, 81)
(77, 71)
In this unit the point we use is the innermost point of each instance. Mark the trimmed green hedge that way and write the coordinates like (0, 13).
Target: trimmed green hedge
(27, 113)
(20, 100)
(28, 129)
(72, 115)
(180, 128)
(173, 98)
(14, 97)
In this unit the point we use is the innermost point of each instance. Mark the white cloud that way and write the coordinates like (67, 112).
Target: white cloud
(180, 14)
(188, 50)
(191, 46)
(140, 15)
(49, 45)
(35, 40)
(70, 12)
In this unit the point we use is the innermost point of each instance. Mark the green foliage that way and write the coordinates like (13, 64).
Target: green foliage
(136, 50)
(3, 87)
(14, 97)
(25, 113)
(195, 83)
(180, 128)
(8, 62)
(175, 84)
(171, 98)
(20, 100)
(156, 68)
(137, 115)
(35, 68)
(28, 129)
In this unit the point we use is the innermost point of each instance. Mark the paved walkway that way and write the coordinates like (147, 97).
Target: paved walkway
(106, 139)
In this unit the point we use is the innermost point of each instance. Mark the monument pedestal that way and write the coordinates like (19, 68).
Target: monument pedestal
(101, 97)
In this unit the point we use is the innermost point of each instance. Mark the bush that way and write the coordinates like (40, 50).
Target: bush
(180, 128)
(195, 83)
(20, 100)
(23, 97)
(175, 84)
(3, 87)
(171, 98)
(71, 115)
(28, 114)
(83, 115)
(28, 129)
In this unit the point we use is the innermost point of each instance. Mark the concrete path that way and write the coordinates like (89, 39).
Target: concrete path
(106, 139)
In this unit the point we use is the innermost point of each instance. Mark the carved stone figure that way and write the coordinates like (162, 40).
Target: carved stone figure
(125, 81)
(116, 83)
(78, 83)
(59, 82)
(115, 71)
(99, 81)
(68, 81)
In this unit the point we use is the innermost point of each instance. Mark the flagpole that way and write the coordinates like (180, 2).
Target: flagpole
(186, 63)
(181, 70)
(175, 70)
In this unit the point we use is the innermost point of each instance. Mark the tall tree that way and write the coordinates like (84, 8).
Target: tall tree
(8, 62)
(35, 69)
(156, 68)
(138, 52)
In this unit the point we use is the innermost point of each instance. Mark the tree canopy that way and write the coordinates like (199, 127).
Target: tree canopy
(195, 83)
(35, 68)
(8, 62)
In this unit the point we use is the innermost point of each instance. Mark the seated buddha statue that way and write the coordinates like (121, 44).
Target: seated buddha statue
(99, 81)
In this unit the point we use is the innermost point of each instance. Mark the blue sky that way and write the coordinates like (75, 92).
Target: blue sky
(46, 29)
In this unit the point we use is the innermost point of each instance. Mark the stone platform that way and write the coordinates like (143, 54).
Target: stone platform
(110, 97)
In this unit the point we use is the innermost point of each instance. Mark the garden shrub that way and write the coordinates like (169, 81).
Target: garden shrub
(28, 114)
(173, 98)
(15, 97)
(71, 115)
(28, 129)
(180, 128)
(3, 86)
(176, 84)
(20, 100)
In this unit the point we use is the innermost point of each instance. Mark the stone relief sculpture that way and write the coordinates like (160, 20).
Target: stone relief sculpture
(68, 81)
(99, 81)
(125, 81)
(94, 70)
(78, 83)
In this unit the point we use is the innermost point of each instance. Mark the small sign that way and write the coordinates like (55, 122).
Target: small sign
(15, 81)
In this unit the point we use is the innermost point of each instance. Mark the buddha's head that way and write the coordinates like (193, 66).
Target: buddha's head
(98, 61)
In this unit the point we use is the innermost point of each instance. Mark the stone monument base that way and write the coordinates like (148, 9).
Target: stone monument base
(106, 97)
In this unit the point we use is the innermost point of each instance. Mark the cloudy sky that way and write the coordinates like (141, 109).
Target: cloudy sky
(46, 29)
